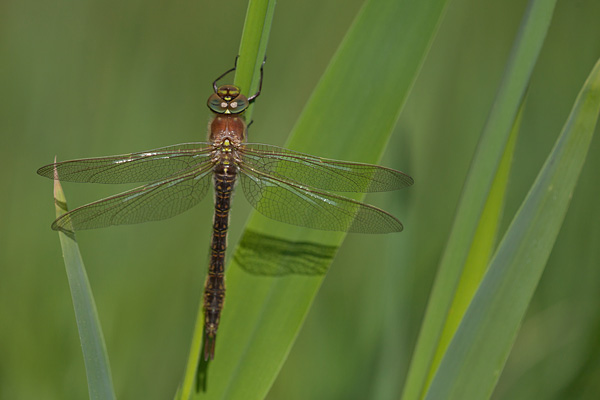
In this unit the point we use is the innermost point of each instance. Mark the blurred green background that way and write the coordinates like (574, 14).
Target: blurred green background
(93, 78)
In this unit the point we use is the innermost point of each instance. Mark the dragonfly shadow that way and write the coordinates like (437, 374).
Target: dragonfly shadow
(202, 371)
(261, 254)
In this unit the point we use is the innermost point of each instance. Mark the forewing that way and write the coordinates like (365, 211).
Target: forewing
(151, 202)
(144, 166)
(294, 204)
(322, 173)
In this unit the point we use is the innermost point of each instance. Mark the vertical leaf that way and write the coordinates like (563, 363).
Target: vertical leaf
(90, 332)
(476, 190)
(478, 352)
(483, 244)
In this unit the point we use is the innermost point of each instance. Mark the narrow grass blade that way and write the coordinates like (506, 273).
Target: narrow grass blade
(90, 333)
(482, 247)
(478, 352)
(351, 116)
(475, 193)
(253, 47)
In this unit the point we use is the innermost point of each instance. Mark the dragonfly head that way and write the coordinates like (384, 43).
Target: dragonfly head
(228, 100)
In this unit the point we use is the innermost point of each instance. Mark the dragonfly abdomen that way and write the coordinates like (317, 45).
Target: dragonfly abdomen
(214, 290)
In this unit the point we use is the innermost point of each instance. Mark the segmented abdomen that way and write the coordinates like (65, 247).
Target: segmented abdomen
(214, 289)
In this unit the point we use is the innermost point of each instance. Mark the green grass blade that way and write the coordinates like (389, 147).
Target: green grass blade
(90, 333)
(476, 191)
(483, 245)
(253, 47)
(478, 352)
(350, 116)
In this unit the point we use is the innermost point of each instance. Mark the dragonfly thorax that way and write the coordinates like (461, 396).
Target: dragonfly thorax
(229, 127)
(228, 100)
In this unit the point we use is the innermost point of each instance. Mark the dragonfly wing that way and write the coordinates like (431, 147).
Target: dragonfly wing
(297, 205)
(151, 202)
(322, 173)
(144, 166)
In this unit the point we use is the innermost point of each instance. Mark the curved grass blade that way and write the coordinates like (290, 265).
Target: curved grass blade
(477, 354)
(485, 163)
(263, 314)
(90, 333)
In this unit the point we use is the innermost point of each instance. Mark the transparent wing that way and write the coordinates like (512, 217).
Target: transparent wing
(322, 173)
(297, 205)
(144, 166)
(151, 202)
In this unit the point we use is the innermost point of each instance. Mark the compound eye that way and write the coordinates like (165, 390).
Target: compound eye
(216, 104)
(239, 104)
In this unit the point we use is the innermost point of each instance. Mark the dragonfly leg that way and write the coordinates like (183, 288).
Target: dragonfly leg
(215, 87)
(255, 95)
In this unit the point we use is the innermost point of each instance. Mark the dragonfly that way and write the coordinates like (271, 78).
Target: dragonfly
(281, 184)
